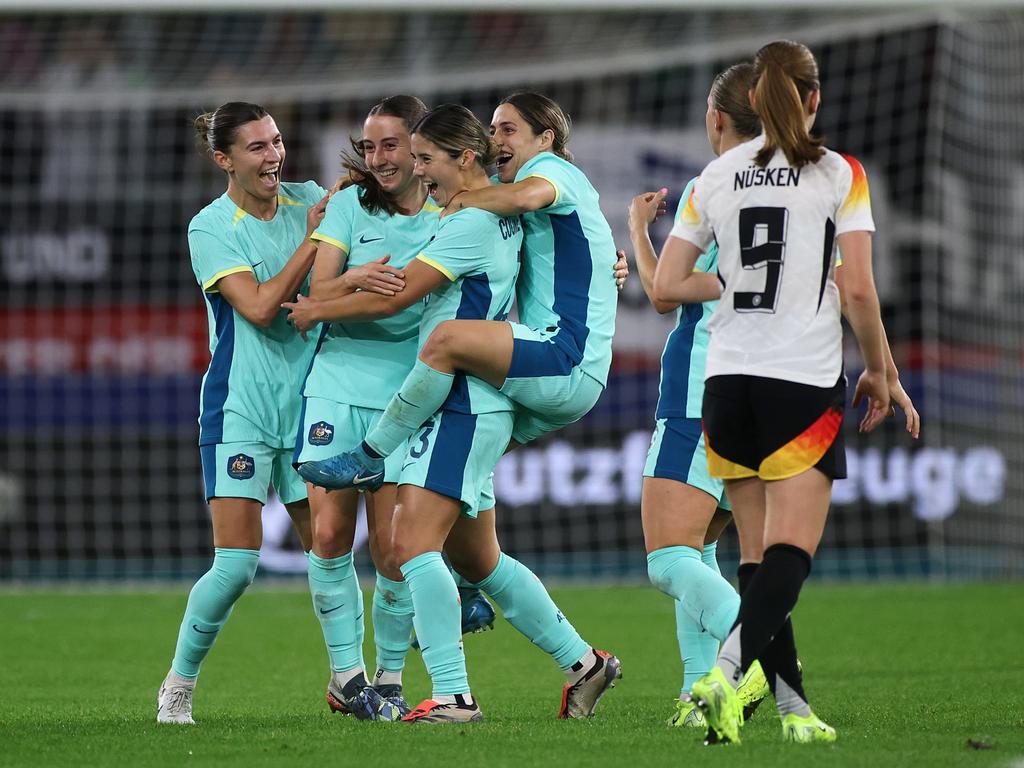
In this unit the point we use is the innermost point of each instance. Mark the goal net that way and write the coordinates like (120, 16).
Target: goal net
(103, 331)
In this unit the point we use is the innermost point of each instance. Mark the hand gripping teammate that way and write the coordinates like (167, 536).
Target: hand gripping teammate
(356, 368)
(775, 391)
(445, 499)
(250, 249)
(684, 509)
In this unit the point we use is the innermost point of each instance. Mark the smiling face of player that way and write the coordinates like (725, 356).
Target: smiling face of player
(254, 160)
(443, 174)
(517, 143)
(387, 150)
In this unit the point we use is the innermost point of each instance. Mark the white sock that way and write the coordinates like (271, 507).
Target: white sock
(788, 701)
(386, 677)
(458, 699)
(577, 671)
(729, 658)
(174, 679)
(341, 679)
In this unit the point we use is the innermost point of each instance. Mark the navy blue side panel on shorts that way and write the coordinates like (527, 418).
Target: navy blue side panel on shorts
(679, 443)
(539, 358)
(451, 451)
(208, 454)
(674, 392)
(300, 436)
(476, 298)
(215, 389)
(574, 270)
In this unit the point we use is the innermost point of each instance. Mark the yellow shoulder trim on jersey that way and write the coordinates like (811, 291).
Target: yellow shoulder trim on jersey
(443, 270)
(558, 192)
(431, 207)
(287, 200)
(239, 215)
(324, 238)
(208, 286)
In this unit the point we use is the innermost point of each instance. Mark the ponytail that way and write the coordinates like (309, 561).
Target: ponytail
(785, 74)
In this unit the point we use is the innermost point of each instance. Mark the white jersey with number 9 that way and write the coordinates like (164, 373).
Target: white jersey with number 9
(776, 229)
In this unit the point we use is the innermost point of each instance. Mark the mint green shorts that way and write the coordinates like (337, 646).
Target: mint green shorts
(678, 453)
(548, 388)
(454, 454)
(247, 470)
(328, 428)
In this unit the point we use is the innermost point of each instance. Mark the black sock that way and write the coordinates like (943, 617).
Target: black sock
(370, 452)
(766, 605)
(776, 656)
(744, 574)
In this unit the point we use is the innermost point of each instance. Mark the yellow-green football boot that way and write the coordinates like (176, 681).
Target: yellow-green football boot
(687, 714)
(721, 707)
(752, 689)
(809, 729)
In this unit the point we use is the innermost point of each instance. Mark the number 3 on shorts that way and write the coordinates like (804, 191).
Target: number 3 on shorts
(423, 442)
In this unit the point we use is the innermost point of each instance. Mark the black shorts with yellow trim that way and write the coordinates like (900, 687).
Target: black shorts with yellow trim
(773, 429)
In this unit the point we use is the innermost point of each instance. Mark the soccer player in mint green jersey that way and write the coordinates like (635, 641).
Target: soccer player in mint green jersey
(250, 249)
(445, 501)
(684, 509)
(357, 366)
(554, 363)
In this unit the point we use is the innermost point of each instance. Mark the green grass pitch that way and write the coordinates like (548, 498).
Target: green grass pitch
(909, 675)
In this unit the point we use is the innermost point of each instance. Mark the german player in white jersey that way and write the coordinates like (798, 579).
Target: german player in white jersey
(775, 391)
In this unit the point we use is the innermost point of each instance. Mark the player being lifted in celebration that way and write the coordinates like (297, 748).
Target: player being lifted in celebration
(356, 368)
(250, 250)
(684, 509)
(775, 390)
(554, 362)
(445, 500)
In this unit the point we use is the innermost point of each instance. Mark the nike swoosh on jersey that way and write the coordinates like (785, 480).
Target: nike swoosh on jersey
(411, 405)
(331, 610)
(256, 264)
(364, 241)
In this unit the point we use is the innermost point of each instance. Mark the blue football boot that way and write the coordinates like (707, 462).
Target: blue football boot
(352, 469)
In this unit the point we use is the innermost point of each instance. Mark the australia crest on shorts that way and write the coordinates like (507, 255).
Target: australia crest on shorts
(241, 467)
(321, 433)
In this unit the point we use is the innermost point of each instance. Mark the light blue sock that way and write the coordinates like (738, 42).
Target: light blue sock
(360, 617)
(209, 605)
(529, 608)
(337, 602)
(706, 597)
(697, 648)
(710, 557)
(423, 392)
(392, 623)
(438, 622)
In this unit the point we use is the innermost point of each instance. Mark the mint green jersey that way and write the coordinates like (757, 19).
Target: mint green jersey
(566, 282)
(250, 391)
(681, 392)
(365, 363)
(479, 254)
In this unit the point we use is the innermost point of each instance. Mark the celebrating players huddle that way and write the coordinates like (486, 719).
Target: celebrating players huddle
(360, 342)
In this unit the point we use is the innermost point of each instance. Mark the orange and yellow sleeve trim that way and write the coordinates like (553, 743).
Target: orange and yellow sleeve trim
(440, 268)
(321, 237)
(688, 215)
(859, 196)
(208, 286)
